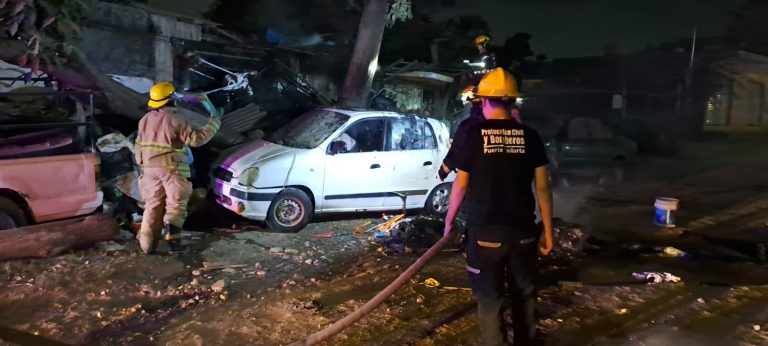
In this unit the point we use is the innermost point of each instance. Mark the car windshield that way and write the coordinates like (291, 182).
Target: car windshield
(309, 130)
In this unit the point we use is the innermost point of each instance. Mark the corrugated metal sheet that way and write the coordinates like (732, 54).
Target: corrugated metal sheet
(243, 119)
(174, 28)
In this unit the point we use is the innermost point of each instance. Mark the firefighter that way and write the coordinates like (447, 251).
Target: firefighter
(500, 160)
(161, 154)
(473, 116)
(487, 58)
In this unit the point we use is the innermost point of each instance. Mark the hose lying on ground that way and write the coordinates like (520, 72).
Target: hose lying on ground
(372, 304)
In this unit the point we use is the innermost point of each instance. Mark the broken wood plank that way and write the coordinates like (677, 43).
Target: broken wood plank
(51, 239)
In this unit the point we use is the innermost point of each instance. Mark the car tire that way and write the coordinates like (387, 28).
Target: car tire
(11, 215)
(438, 200)
(290, 211)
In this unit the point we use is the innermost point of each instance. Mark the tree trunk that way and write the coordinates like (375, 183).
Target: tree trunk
(54, 238)
(364, 62)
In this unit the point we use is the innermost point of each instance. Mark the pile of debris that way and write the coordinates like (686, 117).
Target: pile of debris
(400, 234)
(569, 241)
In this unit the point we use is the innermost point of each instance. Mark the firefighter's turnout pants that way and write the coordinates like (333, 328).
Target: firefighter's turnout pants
(166, 195)
(501, 262)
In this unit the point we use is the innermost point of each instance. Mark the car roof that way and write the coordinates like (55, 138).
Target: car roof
(358, 113)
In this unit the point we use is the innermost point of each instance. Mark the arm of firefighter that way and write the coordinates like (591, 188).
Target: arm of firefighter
(458, 191)
(544, 196)
(137, 150)
(197, 138)
(137, 157)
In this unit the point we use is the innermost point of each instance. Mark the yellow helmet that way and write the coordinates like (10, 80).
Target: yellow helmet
(160, 94)
(482, 40)
(498, 83)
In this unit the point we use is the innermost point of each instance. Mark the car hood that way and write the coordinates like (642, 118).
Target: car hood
(253, 153)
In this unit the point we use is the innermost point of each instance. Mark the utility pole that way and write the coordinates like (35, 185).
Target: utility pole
(689, 74)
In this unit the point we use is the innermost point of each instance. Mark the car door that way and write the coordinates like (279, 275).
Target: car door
(414, 142)
(356, 170)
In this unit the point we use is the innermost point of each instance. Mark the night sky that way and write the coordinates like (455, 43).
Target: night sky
(567, 27)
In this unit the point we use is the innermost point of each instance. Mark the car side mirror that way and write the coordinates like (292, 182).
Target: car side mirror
(337, 147)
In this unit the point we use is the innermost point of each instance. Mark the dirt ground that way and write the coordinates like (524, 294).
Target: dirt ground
(246, 285)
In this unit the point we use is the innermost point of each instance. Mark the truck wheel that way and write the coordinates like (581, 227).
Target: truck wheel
(438, 200)
(290, 211)
(11, 215)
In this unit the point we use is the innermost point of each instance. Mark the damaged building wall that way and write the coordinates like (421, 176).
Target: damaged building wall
(115, 39)
(741, 104)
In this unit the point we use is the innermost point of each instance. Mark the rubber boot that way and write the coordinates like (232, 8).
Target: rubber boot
(173, 237)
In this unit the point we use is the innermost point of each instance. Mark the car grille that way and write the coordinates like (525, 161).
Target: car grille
(222, 174)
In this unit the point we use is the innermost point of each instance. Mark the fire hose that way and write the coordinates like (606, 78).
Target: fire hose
(377, 300)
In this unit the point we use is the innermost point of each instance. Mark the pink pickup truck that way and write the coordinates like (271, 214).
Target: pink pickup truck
(48, 188)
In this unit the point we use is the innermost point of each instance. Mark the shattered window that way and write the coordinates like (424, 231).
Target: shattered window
(363, 136)
(411, 134)
(309, 130)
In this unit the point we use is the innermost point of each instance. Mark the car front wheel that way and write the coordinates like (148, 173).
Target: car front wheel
(11, 215)
(290, 211)
(438, 200)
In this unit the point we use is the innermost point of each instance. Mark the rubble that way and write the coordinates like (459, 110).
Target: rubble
(402, 235)
(219, 286)
(110, 246)
(569, 240)
(652, 277)
(299, 304)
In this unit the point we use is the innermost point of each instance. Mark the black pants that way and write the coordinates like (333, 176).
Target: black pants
(501, 261)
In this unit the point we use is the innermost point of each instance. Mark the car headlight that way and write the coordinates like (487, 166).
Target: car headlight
(249, 176)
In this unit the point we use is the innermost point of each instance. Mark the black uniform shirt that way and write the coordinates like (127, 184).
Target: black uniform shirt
(501, 157)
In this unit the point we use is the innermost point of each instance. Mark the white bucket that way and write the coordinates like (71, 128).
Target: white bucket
(665, 211)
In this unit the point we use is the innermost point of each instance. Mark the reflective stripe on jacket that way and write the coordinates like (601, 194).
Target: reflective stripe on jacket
(161, 139)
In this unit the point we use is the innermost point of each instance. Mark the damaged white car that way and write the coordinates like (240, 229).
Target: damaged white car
(333, 160)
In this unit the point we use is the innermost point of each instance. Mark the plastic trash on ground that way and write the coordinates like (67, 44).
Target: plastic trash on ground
(431, 282)
(672, 252)
(656, 278)
(113, 142)
(403, 235)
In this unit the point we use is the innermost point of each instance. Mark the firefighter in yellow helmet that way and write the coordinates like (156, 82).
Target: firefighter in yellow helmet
(161, 154)
(500, 160)
(487, 58)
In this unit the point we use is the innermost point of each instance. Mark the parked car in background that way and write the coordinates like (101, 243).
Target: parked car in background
(650, 140)
(334, 160)
(587, 147)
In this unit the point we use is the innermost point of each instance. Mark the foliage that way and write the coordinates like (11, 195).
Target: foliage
(749, 26)
(468, 27)
(409, 41)
(46, 26)
(401, 10)
(238, 15)
(518, 47)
